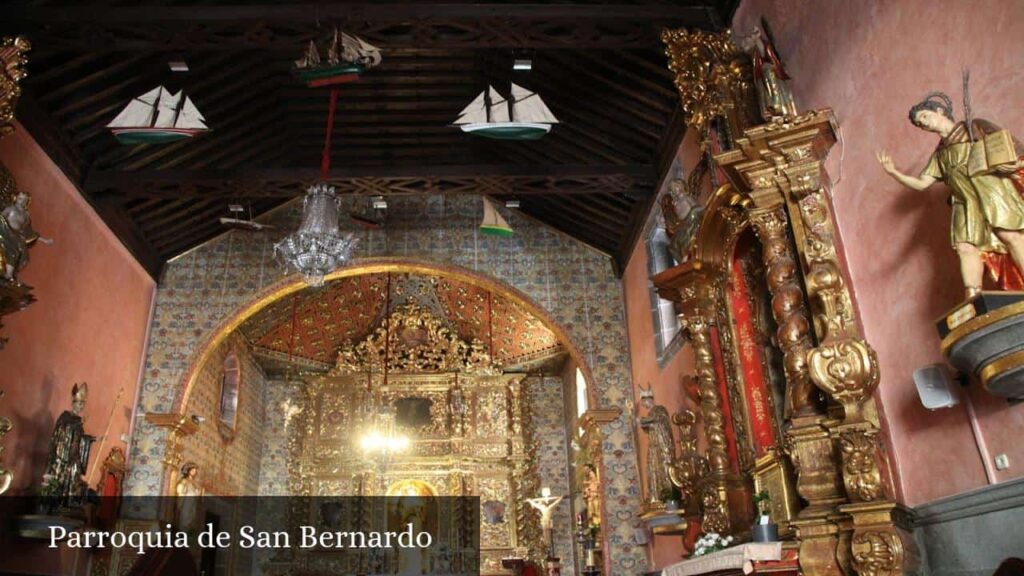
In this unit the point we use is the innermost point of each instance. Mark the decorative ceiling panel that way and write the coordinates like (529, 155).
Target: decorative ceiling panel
(312, 325)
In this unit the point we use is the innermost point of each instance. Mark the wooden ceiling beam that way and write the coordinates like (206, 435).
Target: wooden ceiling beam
(288, 27)
(124, 179)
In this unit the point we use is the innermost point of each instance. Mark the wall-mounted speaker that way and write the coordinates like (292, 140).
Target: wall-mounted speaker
(936, 387)
(640, 535)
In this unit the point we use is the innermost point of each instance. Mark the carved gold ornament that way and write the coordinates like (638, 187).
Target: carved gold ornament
(861, 476)
(877, 553)
(12, 62)
(847, 370)
(708, 69)
(413, 339)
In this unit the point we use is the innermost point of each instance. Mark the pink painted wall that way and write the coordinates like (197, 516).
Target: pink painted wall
(870, 61)
(88, 324)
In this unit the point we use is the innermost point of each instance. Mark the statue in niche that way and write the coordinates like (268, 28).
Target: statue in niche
(979, 162)
(774, 96)
(68, 455)
(660, 450)
(682, 216)
(188, 491)
(16, 233)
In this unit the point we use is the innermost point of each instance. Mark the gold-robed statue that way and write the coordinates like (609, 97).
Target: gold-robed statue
(979, 162)
(69, 455)
(660, 450)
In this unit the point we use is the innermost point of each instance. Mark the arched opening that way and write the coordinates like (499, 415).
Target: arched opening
(483, 383)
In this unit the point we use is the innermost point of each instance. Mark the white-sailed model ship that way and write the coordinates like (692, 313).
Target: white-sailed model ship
(158, 116)
(524, 116)
(493, 223)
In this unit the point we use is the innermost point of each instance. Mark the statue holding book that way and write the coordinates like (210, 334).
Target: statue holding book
(979, 162)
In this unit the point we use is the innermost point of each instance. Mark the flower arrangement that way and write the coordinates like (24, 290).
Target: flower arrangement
(711, 542)
(50, 486)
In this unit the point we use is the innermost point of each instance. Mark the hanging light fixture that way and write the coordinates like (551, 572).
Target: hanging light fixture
(318, 246)
(381, 438)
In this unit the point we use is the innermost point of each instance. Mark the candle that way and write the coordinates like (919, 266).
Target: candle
(545, 492)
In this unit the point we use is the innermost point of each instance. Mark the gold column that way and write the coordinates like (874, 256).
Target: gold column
(724, 496)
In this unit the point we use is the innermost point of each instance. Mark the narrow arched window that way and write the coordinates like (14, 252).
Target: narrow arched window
(229, 385)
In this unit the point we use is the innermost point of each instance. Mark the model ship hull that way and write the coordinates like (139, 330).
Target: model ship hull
(330, 74)
(508, 130)
(153, 135)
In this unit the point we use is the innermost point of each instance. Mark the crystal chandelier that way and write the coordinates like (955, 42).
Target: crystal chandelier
(317, 247)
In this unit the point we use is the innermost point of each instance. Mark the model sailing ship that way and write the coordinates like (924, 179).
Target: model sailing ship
(156, 117)
(493, 223)
(347, 58)
(524, 116)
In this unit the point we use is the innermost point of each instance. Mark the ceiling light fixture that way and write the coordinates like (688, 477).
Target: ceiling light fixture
(379, 203)
(522, 64)
(178, 65)
(511, 203)
(318, 246)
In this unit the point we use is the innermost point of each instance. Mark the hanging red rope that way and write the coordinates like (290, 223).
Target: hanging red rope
(291, 339)
(325, 159)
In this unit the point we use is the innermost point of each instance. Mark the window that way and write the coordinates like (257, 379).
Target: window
(663, 312)
(229, 385)
(581, 394)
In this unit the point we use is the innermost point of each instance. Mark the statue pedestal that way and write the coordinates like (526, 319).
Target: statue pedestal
(664, 522)
(985, 337)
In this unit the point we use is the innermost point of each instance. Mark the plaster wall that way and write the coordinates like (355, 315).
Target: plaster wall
(870, 62)
(571, 283)
(88, 324)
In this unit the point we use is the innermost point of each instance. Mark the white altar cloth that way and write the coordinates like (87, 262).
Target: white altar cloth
(732, 558)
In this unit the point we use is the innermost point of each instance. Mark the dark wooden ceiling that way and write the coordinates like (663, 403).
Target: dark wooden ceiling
(600, 67)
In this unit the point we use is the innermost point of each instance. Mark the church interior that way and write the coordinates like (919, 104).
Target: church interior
(665, 287)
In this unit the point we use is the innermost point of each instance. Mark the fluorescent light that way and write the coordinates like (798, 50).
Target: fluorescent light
(178, 65)
(522, 64)
(511, 203)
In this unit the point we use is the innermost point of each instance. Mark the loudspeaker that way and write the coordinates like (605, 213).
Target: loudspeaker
(936, 388)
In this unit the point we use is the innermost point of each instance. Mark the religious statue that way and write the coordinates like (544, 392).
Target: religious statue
(546, 506)
(979, 162)
(660, 450)
(188, 490)
(682, 216)
(16, 236)
(69, 454)
(774, 96)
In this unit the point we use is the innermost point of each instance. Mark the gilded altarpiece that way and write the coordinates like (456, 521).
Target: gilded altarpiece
(467, 440)
(818, 453)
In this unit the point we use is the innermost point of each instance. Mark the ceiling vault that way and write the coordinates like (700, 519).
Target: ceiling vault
(600, 67)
